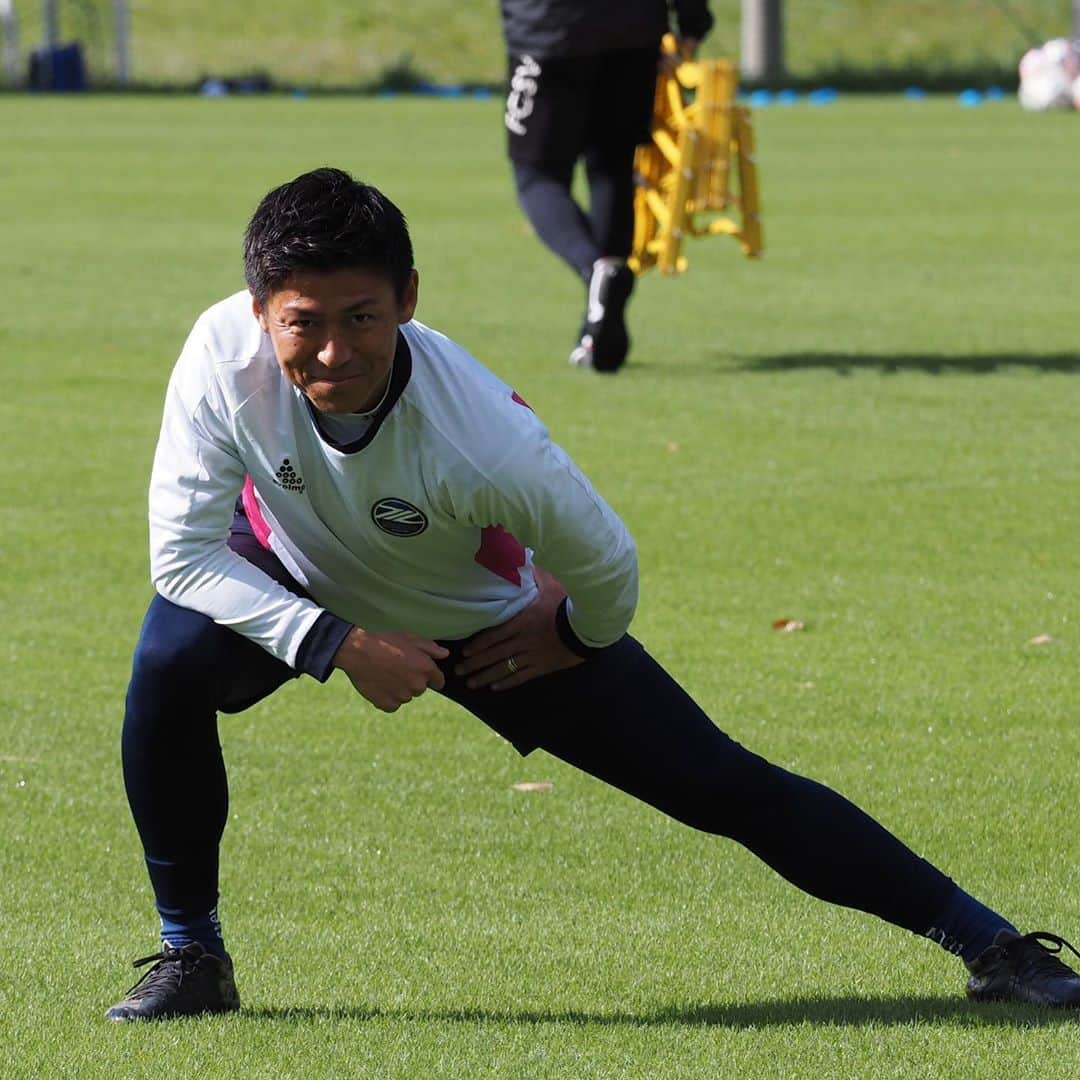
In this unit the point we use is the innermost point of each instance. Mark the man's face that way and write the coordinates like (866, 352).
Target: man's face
(335, 334)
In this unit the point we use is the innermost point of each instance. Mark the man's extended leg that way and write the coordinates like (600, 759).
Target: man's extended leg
(623, 719)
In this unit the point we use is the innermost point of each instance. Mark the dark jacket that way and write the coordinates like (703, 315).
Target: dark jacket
(549, 28)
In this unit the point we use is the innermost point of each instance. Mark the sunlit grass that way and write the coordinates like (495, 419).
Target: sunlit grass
(870, 430)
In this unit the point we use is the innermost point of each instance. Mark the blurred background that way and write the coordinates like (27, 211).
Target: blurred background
(447, 46)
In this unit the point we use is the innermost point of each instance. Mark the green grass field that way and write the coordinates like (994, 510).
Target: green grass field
(872, 430)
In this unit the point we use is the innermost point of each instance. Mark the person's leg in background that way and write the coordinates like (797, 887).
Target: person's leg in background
(620, 118)
(604, 341)
(609, 169)
(544, 194)
(551, 107)
(546, 116)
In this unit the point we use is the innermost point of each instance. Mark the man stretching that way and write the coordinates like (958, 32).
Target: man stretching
(339, 486)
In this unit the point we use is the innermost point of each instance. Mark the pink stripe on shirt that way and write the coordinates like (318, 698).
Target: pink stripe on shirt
(254, 515)
(501, 553)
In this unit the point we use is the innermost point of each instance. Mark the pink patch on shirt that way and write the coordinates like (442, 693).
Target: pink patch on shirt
(500, 553)
(515, 396)
(254, 515)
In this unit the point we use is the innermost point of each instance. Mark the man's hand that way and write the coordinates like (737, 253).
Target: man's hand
(686, 49)
(522, 648)
(390, 669)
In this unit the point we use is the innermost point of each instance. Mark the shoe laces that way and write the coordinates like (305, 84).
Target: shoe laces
(170, 967)
(1041, 958)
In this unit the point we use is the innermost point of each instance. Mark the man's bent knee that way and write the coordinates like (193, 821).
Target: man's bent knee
(177, 648)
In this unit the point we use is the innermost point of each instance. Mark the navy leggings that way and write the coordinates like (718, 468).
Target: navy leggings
(619, 716)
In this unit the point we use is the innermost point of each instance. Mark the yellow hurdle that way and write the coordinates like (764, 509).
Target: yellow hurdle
(701, 141)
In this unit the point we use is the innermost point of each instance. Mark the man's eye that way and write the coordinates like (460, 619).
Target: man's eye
(302, 324)
(359, 317)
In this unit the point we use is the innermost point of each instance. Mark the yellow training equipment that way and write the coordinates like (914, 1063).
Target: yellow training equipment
(700, 138)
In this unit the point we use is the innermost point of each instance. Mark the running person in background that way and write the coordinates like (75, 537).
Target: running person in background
(338, 486)
(582, 77)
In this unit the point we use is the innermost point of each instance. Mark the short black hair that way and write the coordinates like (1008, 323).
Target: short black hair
(324, 221)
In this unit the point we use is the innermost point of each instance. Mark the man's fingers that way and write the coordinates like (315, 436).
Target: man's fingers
(384, 704)
(490, 673)
(498, 670)
(436, 680)
(522, 675)
(487, 658)
(489, 639)
(486, 677)
(433, 649)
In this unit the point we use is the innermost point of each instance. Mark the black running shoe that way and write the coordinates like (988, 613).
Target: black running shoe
(1020, 967)
(183, 982)
(604, 342)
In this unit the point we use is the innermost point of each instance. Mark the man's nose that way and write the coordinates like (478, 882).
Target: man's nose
(334, 352)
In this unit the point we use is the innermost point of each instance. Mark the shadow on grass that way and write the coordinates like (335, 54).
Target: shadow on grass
(846, 1011)
(975, 364)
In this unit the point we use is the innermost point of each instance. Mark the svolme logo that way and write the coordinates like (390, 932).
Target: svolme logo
(398, 518)
(288, 478)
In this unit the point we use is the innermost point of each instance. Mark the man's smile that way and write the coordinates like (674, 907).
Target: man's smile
(320, 378)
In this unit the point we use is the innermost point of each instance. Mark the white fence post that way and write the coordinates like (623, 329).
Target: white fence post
(761, 56)
(122, 34)
(50, 23)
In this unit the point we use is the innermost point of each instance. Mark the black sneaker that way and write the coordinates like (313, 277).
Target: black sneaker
(183, 982)
(1019, 967)
(604, 342)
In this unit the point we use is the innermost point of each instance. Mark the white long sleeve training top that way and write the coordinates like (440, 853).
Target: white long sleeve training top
(429, 523)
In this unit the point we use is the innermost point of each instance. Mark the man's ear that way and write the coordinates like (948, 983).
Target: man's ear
(260, 313)
(409, 298)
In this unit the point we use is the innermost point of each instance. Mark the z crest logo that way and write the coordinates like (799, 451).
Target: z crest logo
(398, 518)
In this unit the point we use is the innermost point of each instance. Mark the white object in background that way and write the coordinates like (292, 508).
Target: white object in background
(10, 27)
(50, 23)
(1048, 74)
(122, 34)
